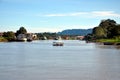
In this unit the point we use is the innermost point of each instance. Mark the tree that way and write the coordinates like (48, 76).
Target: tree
(22, 30)
(89, 37)
(108, 25)
(10, 36)
(106, 29)
(116, 31)
(99, 32)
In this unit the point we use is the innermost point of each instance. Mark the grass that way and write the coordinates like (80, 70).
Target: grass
(109, 40)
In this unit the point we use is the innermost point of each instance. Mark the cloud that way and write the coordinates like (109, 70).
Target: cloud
(105, 14)
(66, 14)
(85, 14)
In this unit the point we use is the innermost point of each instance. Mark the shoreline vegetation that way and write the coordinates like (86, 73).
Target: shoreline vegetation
(2, 39)
(109, 41)
(107, 33)
(106, 41)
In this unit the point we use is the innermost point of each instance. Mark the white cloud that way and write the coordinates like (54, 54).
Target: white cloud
(105, 14)
(66, 14)
(85, 14)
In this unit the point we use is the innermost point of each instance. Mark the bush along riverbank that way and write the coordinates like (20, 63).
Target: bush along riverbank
(109, 41)
(107, 32)
(2, 39)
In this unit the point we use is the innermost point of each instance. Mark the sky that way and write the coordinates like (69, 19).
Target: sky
(56, 15)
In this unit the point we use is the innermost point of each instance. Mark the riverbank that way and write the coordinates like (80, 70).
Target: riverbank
(2, 39)
(109, 41)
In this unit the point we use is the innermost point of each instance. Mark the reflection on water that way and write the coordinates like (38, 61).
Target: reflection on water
(76, 60)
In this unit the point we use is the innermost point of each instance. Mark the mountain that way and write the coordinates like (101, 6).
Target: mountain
(76, 32)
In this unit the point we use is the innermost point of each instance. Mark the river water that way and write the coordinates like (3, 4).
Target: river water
(76, 60)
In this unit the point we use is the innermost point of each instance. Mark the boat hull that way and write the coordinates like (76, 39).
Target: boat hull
(58, 43)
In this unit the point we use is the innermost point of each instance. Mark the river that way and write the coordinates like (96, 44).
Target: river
(76, 60)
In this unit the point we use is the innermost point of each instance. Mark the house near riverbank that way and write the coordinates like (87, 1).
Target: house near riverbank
(80, 37)
(21, 37)
(26, 37)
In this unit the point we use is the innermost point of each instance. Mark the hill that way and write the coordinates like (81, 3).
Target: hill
(75, 32)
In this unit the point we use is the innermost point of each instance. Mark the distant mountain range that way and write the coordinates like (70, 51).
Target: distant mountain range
(76, 32)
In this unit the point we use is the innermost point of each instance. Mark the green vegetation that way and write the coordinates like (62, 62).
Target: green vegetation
(22, 30)
(46, 35)
(107, 31)
(10, 36)
(108, 40)
(2, 39)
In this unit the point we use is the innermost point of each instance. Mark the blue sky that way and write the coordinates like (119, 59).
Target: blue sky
(56, 15)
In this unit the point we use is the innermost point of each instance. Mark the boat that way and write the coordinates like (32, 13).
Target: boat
(58, 43)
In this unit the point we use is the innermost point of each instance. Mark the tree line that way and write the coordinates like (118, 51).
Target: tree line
(11, 36)
(107, 29)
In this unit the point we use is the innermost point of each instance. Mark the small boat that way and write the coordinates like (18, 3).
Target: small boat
(58, 43)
